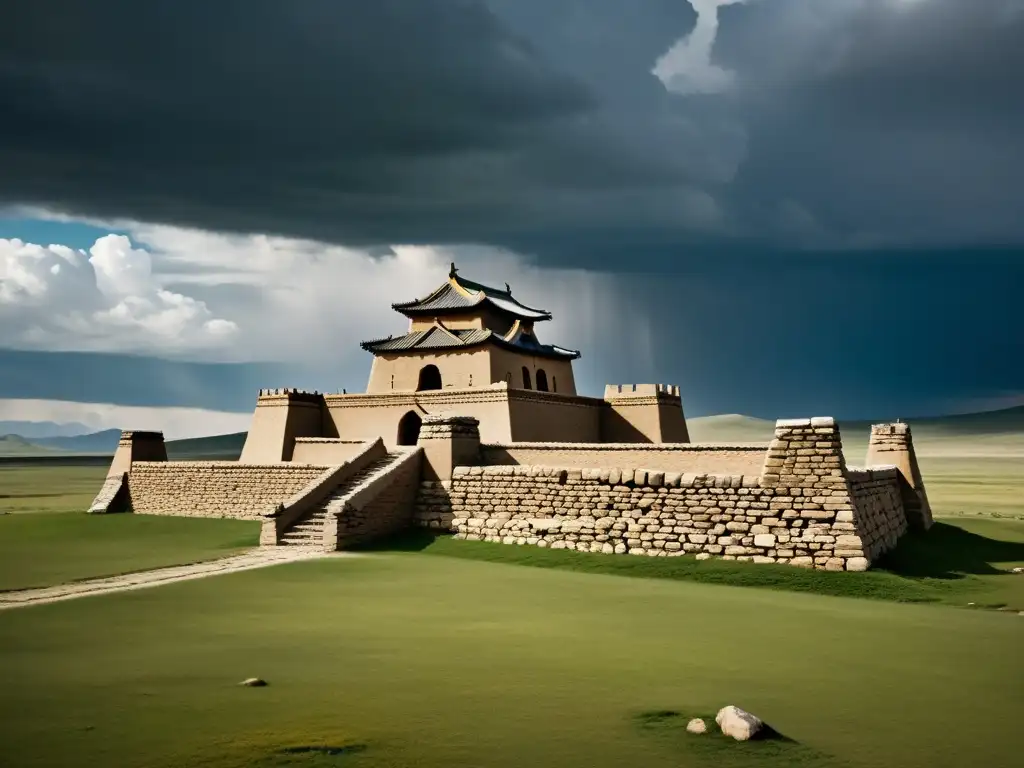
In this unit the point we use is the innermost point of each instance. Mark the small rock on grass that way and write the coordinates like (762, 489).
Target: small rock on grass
(1017, 570)
(254, 682)
(739, 724)
(697, 726)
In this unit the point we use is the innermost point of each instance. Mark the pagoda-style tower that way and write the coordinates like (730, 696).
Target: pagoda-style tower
(465, 334)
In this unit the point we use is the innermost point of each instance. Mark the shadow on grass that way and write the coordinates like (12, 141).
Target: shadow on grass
(948, 552)
(925, 567)
(767, 748)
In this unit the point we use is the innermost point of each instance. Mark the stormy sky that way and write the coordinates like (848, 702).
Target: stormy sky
(784, 206)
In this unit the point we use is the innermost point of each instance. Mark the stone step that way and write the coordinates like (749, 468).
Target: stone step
(304, 531)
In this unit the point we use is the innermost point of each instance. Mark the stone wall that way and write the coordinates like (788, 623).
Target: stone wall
(215, 488)
(740, 459)
(381, 506)
(800, 508)
(880, 515)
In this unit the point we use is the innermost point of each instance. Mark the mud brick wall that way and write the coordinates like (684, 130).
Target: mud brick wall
(880, 514)
(667, 457)
(799, 509)
(215, 488)
(381, 507)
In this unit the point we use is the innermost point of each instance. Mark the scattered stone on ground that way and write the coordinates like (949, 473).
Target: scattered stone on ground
(738, 723)
(703, 556)
(697, 726)
(254, 682)
(1017, 570)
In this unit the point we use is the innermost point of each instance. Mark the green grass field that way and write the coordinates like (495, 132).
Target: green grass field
(46, 549)
(436, 652)
(49, 488)
(408, 659)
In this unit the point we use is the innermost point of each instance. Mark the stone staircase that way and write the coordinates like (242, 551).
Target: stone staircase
(305, 532)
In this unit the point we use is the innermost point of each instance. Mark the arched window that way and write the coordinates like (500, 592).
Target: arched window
(542, 380)
(409, 428)
(430, 378)
(554, 384)
(526, 378)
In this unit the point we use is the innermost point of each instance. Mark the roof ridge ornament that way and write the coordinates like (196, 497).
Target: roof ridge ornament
(453, 271)
(508, 289)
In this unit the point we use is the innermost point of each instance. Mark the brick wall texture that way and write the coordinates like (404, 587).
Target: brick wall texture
(215, 488)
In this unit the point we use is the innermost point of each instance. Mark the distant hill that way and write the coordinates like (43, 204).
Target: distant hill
(33, 429)
(992, 433)
(96, 442)
(999, 433)
(16, 445)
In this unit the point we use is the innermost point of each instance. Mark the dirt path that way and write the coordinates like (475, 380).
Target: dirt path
(257, 558)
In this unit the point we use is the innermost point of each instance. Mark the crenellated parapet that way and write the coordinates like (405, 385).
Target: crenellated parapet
(643, 413)
(283, 396)
(282, 415)
(618, 391)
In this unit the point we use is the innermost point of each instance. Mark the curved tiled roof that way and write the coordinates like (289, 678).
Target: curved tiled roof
(448, 298)
(438, 338)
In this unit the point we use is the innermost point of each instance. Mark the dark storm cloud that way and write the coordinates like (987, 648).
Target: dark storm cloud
(527, 123)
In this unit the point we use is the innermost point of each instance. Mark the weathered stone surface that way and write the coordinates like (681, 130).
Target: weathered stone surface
(253, 682)
(806, 508)
(737, 723)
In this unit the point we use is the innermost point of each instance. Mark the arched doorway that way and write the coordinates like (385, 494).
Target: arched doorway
(526, 378)
(430, 378)
(542, 380)
(409, 428)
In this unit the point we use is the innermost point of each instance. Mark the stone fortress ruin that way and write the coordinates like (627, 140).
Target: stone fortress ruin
(470, 425)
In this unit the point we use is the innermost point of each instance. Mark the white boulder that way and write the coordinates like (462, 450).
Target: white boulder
(738, 723)
(697, 726)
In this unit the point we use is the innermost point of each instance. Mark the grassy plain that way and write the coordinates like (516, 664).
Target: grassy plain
(40, 550)
(435, 652)
(405, 659)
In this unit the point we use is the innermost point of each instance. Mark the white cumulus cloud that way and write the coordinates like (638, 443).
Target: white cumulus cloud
(190, 294)
(54, 297)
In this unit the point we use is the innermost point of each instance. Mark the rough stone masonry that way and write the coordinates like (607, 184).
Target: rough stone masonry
(805, 508)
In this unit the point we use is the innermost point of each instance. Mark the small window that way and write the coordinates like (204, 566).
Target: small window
(542, 380)
(526, 378)
(554, 384)
(392, 381)
(471, 379)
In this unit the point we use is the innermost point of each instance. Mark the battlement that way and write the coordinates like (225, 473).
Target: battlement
(615, 391)
(290, 395)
